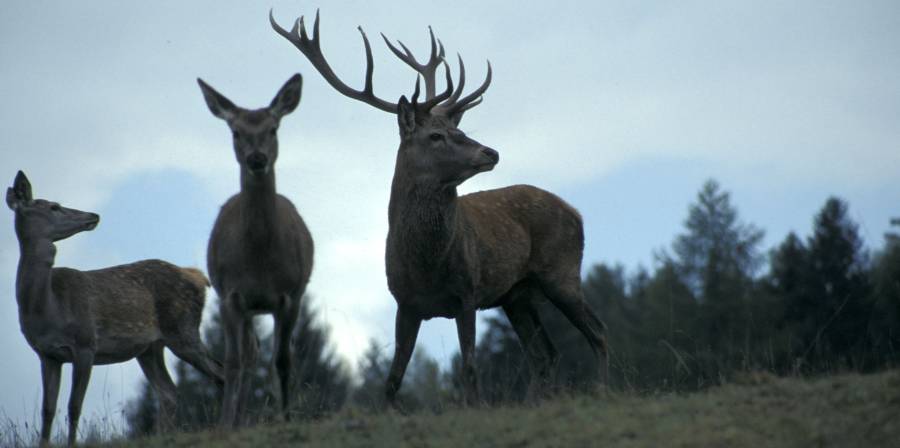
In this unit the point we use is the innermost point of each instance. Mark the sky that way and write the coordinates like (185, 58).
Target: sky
(622, 108)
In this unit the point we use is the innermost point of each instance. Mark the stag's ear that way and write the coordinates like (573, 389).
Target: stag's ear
(288, 97)
(219, 105)
(406, 117)
(19, 193)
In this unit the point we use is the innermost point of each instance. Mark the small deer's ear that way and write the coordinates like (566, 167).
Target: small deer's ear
(11, 201)
(288, 97)
(19, 193)
(219, 105)
(406, 117)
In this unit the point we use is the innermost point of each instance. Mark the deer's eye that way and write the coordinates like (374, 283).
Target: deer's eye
(55, 207)
(436, 137)
(272, 132)
(235, 134)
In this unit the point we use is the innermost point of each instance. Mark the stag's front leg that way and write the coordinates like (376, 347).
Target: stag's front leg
(82, 364)
(50, 373)
(285, 320)
(406, 331)
(465, 329)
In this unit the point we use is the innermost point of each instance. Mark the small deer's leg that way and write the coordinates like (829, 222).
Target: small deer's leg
(153, 363)
(82, 364)
(232, 326)
(542, 354)
(285, 320)
(50, 374)
(191, 350)
(465, 329)
(249, 356)
(406, 331)
(569, 299)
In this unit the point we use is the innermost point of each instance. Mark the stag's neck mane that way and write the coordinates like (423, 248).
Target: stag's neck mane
(258, 206)
(424, 220)
(33, 291)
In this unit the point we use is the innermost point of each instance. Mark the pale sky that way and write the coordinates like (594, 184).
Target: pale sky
(622, 108)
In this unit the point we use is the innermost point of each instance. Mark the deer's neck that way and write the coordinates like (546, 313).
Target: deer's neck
(257, 206)
(424, 222)
(33, 278)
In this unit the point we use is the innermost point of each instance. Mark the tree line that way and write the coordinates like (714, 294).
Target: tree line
(715, 305)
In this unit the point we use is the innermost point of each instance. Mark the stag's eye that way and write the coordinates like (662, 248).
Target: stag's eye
(272, 132)
(436, 137)
(55, 207)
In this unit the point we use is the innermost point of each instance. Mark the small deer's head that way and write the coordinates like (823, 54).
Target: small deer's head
(434, 151)
(255, 131)
(40, 219)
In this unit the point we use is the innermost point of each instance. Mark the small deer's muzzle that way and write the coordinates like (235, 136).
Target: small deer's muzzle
(257, 162)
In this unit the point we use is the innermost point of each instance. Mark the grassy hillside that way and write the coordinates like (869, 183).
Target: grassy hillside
(846, 410)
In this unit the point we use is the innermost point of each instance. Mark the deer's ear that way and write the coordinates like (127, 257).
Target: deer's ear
(11, 201)
(219, 105)
(406, 117)
(288, 97)
(19, 193)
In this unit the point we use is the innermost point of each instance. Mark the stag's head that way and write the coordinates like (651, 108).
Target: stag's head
(255, 132)
(433, 150)
(38, 219)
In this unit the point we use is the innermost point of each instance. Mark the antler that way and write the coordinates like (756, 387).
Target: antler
(312, 49)
(447, 102)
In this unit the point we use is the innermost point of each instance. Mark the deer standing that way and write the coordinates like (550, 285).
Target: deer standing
(260, 252)
(104, 316)
(448, 256)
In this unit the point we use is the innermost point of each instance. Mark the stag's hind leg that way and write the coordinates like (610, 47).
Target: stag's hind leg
(564, 291)
(519, 306)
(153, 363)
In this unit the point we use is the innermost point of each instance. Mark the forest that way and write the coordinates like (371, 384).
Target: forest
(715, 305)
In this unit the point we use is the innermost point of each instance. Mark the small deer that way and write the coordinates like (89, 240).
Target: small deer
(104, 316)
(448, 256)
(260, 252)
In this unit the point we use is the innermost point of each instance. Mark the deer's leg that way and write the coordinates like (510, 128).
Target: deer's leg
(465, 329)
(194, 352)
(285, 320)
(50, 373)
(232, 325)
(539, 349)
(82, 363)
(567, 296)
(406, 330)
(249, 356)
(153, 363)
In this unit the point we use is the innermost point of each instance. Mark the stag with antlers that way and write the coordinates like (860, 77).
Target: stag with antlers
(449, 255)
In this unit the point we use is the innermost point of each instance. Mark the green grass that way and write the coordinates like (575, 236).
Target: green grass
(758, 411)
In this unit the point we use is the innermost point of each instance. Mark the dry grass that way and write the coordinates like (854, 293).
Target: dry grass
(758, 410)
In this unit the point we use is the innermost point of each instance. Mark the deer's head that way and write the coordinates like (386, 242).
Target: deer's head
(255, 131)
(39, 219)
(433, 150)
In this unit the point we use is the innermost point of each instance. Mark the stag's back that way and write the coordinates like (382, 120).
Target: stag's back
(522, 230)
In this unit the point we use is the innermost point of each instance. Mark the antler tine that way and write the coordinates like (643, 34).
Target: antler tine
(434, 101)
(462, 82)
(311, 48)
(469, 101)
(428, 70)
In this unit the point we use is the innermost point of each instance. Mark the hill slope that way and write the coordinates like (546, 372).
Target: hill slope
(846, 410)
